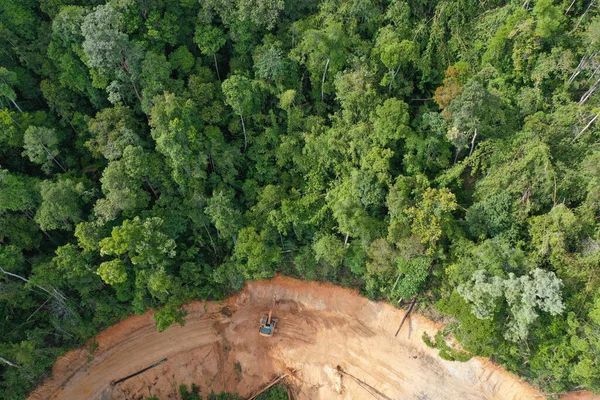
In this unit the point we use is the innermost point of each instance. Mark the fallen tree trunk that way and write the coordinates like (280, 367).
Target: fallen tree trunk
(272, 383)
(139, 372)
(406, 316)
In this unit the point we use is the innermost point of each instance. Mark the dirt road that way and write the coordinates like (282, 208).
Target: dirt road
(320, 327)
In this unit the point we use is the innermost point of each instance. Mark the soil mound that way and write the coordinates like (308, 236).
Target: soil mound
(321, 328)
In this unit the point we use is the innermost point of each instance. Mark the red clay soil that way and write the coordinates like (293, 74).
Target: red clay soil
(320, 327)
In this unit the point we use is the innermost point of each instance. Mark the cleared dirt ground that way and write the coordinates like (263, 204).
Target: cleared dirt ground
(320, 327)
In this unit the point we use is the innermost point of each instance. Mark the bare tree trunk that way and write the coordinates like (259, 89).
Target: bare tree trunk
(53, 158)
(12, 119)
(16, 105)
(38, 309)
(586, 127)
(244, 129)
(137, 93)
(593, 74)
(273, 382)
(589, 93)
(396, 283)
(5, 361)
(571, 5)
(323, 80)
(473, 142)
(581, 64)
(583, 15)
(210, 237)
(554, 195)
(54, 293)
(345, 244)
(412, 305)
(217, 66)
(394, 73)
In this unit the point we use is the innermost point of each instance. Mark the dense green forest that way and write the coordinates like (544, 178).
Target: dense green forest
(159, 151)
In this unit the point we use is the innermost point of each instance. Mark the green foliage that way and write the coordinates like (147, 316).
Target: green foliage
(41, 146)
(329, 249)
(60, 207)
(274, 393)
(257, 257)
(443, 150)
(141, 240)
(223, 214)
(239, 94)
(113, 129)
(209, 39)
(19, 193)
(414, 273)
(168, 315)
(447, 352)
(431, 216)
(522, 294)
(113, 272)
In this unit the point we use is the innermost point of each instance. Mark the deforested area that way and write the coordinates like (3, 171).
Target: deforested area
(330, 344)
(438, 155)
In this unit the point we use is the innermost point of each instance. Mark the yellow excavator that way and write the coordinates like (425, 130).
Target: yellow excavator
(267, 323)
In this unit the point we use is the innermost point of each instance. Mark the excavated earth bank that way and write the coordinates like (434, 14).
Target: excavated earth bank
(320, 327)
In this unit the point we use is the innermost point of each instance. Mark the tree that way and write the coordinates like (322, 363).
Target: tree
(329, 249)
(414, 273)
(395, 54)
(210, 39)
(177, 131)
(7, 80)
(550, 18)
(256, 256)
(382, 257)
(350, 214)
(262, 13)
(431, 217)
(60, 207)
(239, 94)
(428, 151)
(155, 77)
(270, 63)
(522, 294)
(19, 230)
(556, 233)
(391, 122)
(182, 60)
(113, 272)
(455, 77)
(224, 215)
(322, 50)
(149, 250)
(18, 192)
(113, 129)
(41, 147)
(108, 50)
(123, 193)
(475, 111)
(355, 92)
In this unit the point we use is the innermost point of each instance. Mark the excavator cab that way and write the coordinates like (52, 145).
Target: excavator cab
(267, 322)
